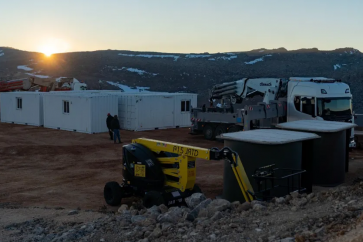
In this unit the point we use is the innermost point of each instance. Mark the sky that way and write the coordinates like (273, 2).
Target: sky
(180, 26)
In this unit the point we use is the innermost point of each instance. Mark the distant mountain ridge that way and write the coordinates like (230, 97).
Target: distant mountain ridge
(194, 72)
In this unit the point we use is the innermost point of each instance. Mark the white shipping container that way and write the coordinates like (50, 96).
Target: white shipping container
(80, 112)
(149, 111)
(22, 108)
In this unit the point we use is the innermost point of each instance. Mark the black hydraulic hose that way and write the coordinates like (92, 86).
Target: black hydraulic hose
(244, 87)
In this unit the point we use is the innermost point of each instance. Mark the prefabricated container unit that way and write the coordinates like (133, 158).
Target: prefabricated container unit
(79, 112)
(148, 111)
(22, 108)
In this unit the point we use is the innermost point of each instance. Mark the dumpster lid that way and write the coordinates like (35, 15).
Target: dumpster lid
(316, 126)
(268, 136)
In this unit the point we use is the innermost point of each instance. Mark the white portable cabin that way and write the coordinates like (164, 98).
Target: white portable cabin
(148, 111)
(22, 108)
(79, 112)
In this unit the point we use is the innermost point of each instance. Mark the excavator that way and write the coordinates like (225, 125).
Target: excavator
(41, 84)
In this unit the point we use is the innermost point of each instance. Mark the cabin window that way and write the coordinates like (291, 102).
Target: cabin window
(19, 103)
(308, 105)
(185, 105)
(297, 102)
(65, 106)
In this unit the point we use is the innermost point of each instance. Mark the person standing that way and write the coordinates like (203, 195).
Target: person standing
(108, 123)
(115, 124)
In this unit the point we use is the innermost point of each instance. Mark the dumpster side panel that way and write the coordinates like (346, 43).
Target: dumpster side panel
(329, 159)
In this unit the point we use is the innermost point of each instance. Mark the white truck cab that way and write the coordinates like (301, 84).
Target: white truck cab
(319, 98)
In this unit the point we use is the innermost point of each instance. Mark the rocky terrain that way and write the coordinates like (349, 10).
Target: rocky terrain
(331, 215)
(176, 72)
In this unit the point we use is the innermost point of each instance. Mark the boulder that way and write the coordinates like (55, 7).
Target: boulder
(244, 206)
(194, 213)
(172, 216)
(123, 207)
(195, 199)
(218, 205)
(259, 207)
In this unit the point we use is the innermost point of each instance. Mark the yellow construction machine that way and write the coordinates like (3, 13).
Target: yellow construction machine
(164, 173)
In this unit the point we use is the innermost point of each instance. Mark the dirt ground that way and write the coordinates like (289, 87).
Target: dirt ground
(53, 168)
(43, 168)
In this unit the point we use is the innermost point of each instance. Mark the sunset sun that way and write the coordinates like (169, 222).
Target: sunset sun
(48, 50)
(52, 45)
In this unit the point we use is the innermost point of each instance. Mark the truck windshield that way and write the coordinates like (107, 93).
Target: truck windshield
(334, 107)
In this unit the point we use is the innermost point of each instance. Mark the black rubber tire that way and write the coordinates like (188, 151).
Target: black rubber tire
(112, 193)
(234, 128)
(196, 189)
(221, 129)
(152, 198)
(208, 132)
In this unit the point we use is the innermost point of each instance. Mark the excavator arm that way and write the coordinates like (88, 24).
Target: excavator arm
(183, 171)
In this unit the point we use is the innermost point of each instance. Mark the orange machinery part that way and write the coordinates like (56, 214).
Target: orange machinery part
(10, 85)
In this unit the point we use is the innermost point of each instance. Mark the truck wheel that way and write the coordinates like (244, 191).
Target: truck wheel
(208, 132)
(112, 193)
(234, 128)
(221, 129)
(153, 198)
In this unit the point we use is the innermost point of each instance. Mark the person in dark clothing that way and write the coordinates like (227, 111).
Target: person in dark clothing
(115, 124)
(203, 108)
(108, 123)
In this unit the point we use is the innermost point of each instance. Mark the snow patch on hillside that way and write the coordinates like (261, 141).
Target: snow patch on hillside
(128, 89)
(39, 76)
(337, 66)
(25, 68)
(130, 69)
(197, 56)
(351, 52)
(229, 56)
(151, 56)
(138, 71)
(256, 60)
(225, 57)
(117, 69)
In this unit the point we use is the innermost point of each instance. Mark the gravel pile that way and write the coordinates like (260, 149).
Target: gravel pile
(296, 217)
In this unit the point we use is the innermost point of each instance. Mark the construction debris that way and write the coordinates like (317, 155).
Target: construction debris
(327, 215)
